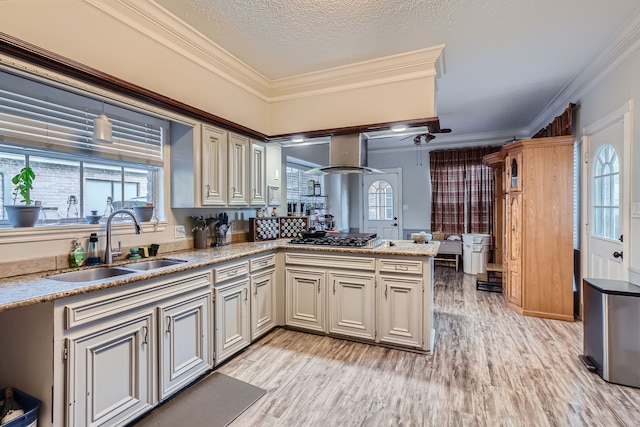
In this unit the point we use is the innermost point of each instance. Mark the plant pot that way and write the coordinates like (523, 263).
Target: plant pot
(23, 215)
(143, 213)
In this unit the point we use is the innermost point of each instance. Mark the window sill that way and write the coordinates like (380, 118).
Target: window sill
(67, 232)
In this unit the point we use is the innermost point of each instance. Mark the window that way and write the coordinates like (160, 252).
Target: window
(69, 189)
(51, 130)
(380, 196)
(298, 189)
(606, 193)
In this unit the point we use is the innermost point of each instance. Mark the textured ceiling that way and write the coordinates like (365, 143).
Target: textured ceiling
(504, 60)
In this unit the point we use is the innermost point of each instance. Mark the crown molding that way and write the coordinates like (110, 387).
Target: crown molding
(404, 66)
(620, 46)
(155, 22)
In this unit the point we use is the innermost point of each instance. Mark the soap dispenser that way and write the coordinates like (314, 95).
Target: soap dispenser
(93, 257)
(76, 257)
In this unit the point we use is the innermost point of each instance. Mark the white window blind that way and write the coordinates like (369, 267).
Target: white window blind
(62, 122)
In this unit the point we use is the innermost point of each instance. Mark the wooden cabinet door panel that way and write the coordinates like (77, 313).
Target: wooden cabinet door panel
(263, 303)
(110, 373)
(184, 331)
(401, 310)
(232, 319)
(238, 175)
(352, 305)
(214, 166)
(257, 170)
(305, 299)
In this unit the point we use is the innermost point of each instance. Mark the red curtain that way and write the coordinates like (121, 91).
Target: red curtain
(459, 176)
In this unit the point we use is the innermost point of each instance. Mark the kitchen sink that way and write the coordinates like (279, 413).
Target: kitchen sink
(153, 264)
(90, 275)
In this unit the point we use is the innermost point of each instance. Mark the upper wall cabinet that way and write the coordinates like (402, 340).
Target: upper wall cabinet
(238, 170)
(214, 166)
(258, 176)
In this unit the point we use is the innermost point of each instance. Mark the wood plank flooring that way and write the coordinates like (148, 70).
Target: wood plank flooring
(490, 367)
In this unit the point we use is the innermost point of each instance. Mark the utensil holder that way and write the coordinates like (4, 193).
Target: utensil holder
(200, 239)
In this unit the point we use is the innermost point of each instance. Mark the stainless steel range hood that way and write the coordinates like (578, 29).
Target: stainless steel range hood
(347, 154)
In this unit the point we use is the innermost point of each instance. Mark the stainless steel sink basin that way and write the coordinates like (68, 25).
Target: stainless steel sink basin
(152, 264)
(90, 275)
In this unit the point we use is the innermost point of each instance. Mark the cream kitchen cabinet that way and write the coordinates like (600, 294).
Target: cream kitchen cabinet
(403, 318)
(352, 304)
(129, 348)
(263, 294)
(258, 175)
(213, 182)
(401, 310)
(347, 307)
(238, 172)
(184, 341)
(111, 372)
(305, 306)
(232, 305)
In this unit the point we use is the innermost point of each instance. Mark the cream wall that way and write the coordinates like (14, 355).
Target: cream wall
(610, 93)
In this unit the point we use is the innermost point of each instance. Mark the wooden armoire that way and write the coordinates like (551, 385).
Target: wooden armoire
(536, 186)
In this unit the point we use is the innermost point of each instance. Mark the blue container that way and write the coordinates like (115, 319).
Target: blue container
(31, 406)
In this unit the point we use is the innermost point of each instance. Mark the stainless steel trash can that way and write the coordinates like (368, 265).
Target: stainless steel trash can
(611, 321)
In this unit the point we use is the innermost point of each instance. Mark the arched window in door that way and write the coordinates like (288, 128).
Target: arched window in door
(606, 193)
(380, 196)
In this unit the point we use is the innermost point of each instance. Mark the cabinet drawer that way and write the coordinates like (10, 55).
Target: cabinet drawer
(81, 310)
(338, 261)
(230, 271)
(400, 266)
(262, 262)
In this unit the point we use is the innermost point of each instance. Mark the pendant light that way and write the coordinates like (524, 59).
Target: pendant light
(102, 128)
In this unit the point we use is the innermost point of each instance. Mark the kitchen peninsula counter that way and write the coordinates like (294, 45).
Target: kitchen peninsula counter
(21, 291)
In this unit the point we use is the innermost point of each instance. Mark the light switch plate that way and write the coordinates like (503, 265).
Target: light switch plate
(635, 210)
(405, 207)
(179, 232)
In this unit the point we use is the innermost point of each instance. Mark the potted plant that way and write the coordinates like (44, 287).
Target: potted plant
(26, 214)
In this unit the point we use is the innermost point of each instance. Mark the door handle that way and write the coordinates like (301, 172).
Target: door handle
(617, 254)
(395, 224)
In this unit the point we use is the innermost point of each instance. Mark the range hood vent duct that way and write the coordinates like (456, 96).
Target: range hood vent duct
(347, 154)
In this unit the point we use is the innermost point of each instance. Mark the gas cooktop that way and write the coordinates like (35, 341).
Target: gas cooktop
(354, 240)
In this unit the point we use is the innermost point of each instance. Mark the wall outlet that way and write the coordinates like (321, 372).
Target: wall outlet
(179, 232)
(405, 207)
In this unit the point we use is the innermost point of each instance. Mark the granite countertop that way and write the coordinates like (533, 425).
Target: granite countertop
(21, 291)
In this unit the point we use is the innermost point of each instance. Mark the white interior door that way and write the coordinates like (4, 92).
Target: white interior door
(606, 195)
(382, 200)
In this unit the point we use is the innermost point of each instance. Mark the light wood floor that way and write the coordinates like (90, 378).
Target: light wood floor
(490, 367)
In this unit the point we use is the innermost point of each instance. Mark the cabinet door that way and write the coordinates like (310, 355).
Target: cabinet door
(238, 170)
(214, 166)
(305, 299)
(232, 318)
(352, 305)
(401, 310)
(514, 249)
(257, 192)
(263, 303)
(110, 373)
(184, 341)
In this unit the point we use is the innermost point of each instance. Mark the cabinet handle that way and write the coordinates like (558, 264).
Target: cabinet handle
(246, 293)
(208, 189)
(255, 292)
(168, 324)
(385, 291)
(318, 286)
(145, 333)
(402, 267)
(334, 287)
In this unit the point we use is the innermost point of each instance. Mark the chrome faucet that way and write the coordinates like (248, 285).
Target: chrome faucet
(108, 252)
